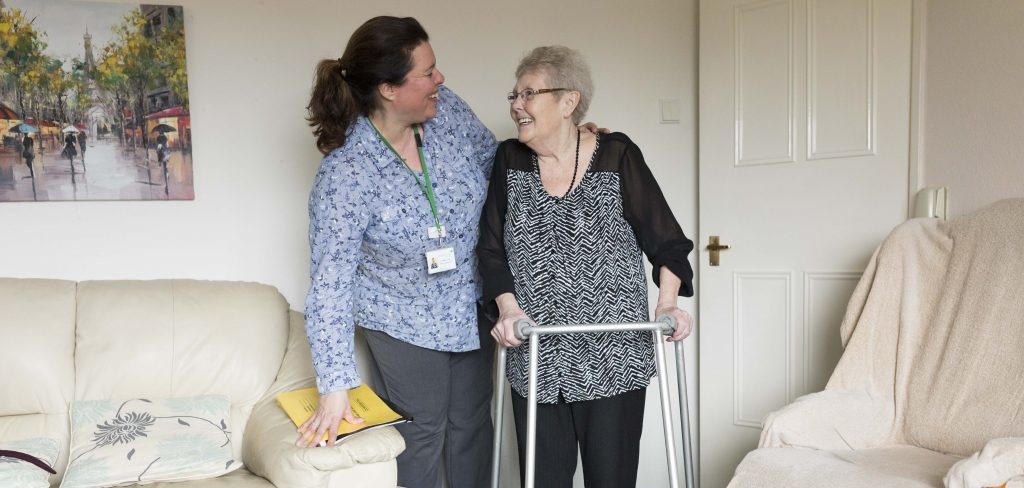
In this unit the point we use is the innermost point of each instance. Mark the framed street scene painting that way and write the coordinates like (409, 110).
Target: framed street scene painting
(93, 102)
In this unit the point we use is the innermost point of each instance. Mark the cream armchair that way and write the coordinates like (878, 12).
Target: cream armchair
(62, 341)
(930, 388)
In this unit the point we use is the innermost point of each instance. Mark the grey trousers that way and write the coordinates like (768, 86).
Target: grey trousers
(448, 395)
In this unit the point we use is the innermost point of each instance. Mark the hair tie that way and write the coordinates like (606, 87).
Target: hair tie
(344, 72)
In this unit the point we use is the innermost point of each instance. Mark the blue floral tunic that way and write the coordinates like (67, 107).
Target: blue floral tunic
(368, 221)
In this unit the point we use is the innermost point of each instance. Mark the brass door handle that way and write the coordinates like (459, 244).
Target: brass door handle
(714, 247)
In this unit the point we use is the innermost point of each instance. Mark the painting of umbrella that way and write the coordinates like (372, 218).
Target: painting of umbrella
(102, 91)
(23, 128)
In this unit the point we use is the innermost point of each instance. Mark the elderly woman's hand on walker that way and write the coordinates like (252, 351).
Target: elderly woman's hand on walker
(332, 408)
(509, 312)
(668, 293)
(683, 319)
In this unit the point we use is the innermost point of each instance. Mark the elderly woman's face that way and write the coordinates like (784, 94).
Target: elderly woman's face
(536, 111)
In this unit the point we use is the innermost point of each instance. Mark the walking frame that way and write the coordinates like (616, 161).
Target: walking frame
(525, 330)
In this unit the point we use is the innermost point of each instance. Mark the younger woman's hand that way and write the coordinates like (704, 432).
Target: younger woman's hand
(594, 129)
(332, 408)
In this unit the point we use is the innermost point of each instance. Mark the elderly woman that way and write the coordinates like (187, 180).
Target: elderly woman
(566, 219)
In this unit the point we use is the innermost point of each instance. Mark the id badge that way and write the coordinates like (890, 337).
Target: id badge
(440, 260)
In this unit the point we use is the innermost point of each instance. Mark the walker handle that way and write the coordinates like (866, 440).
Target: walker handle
(522, 326)
(670, 324)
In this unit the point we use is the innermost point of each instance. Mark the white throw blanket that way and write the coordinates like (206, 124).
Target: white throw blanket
(936, 325)
(933, 356)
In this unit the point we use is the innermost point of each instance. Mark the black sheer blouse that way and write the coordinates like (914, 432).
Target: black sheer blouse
(578, 260)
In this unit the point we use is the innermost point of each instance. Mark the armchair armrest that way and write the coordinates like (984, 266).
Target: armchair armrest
(269, 448)
(831, 420)
(1000, 462)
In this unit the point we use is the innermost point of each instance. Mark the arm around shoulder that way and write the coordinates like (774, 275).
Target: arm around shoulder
(480, 137)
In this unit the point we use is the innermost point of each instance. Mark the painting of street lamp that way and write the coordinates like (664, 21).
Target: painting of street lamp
(93, 102)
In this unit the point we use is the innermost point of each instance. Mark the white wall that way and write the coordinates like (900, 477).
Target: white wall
(250, 68)
(973, 108)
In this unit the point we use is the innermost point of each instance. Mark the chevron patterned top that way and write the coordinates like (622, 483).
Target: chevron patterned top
(577, 260)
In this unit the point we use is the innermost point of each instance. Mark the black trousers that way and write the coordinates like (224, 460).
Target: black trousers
(605, 431)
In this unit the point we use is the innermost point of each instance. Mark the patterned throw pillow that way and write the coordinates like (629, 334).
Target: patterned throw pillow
(15, 472)
(142, 441)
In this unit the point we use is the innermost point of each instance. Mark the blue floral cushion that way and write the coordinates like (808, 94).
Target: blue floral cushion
(145, 440)
(15, 472)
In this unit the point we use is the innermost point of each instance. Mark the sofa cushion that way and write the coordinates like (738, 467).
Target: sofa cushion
(891, 467)
(16, 472)
(37, 346)
(174, 439)
(180, 338)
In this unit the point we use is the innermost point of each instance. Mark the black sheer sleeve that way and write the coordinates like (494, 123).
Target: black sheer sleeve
(659, 234)
(494, 270)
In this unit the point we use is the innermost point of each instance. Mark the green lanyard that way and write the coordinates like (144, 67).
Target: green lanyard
(425, 185)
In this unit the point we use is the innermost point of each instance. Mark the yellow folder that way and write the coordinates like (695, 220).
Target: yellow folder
(375, 412)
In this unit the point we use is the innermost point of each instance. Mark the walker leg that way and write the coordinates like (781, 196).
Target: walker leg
(531, 412)
(663, 389)
(499, 411)
(684, 414)
(666, 408)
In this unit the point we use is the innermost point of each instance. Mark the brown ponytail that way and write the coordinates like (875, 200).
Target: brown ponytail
(379, 51)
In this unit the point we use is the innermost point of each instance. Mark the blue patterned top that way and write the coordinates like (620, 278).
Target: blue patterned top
(368, 221)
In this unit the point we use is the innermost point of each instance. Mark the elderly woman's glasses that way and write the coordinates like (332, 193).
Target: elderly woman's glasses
(528, 93)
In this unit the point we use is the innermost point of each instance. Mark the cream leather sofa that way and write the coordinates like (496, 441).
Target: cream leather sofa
(62, 341)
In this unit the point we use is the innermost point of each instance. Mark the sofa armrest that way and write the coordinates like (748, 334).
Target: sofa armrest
(831, 419)
(1000, 461)
(269, 450)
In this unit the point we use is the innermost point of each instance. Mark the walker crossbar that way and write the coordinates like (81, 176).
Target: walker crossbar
(527, 331)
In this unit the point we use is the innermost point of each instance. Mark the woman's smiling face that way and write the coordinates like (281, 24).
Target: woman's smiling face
(540, 116)
(416, 99)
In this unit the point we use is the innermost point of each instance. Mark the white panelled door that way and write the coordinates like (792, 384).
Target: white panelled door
(804, 133)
